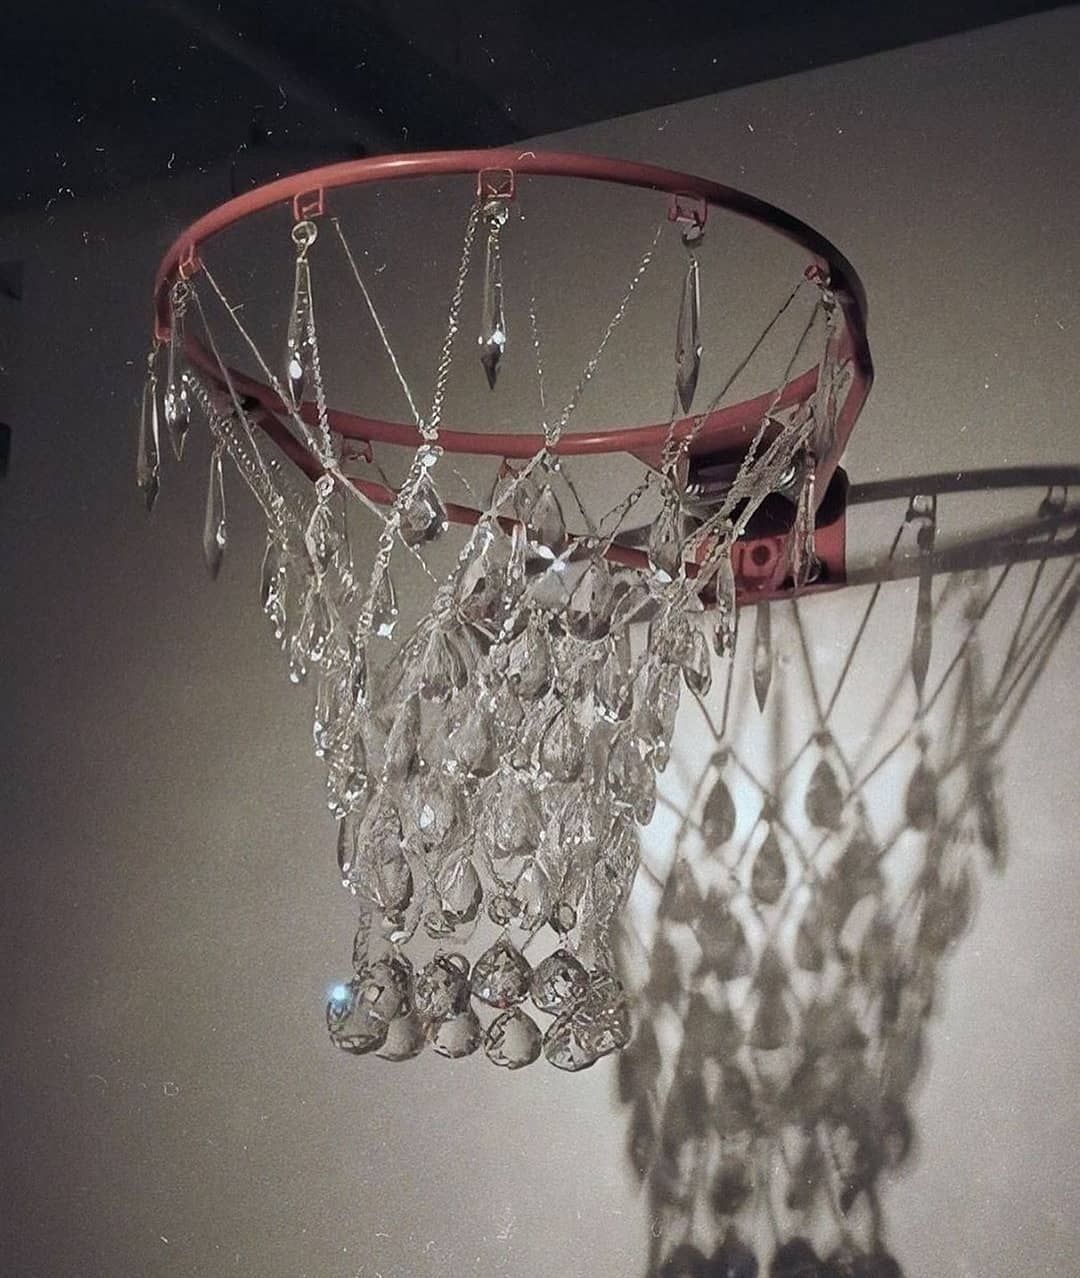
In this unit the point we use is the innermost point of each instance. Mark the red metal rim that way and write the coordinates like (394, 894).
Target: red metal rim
(727, 428)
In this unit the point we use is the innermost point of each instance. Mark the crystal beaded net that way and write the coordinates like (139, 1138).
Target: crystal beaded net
(491, 739)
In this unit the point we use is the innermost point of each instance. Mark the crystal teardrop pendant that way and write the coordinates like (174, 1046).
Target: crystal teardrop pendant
(688, 337)
(214, 532)
(322, 536)
(631, 781)
(493, 319)
(591, 601)
(298, 344)
(665, 540)
(148, 456)
(725, 629)
(177, 398)
(547, 527)
(424, 517)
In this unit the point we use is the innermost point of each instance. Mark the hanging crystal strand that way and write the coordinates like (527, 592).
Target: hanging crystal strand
(177, 398)
(688, 334)
(804, 560)
(214, 533)
(493, 319)
(298, 340)
(148, 458)
(763, 654)
(923, 509)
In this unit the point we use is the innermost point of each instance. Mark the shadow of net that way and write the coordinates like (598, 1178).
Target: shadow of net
(823, 829)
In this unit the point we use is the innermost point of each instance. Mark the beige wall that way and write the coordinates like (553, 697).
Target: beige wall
(171, 1105)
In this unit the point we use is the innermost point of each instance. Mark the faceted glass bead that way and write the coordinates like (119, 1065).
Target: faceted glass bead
(501, 975)
(323, 537)
(459, 1035)
(443, 670)
(630, 779)
(533, 890)
(215, 533)
(547, 527)
(562, 747)
(402, 743)
(432, 804)
(458, 887)
(688, 337)
(384, 607)
(665, 541)
(558, 982)
(516, 826)
(529, 670)
(472, 742)
(614, 687)
(583, 823)
(513, 1040)
(442, 988)
(696, 665)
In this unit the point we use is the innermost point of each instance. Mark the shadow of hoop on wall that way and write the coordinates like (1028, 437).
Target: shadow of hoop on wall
(825, 823)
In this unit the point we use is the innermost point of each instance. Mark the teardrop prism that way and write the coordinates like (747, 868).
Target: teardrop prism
(214, 531)
(148, 457)
(688, 336)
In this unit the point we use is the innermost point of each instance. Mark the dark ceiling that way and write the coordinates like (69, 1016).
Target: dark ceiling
(102, 93)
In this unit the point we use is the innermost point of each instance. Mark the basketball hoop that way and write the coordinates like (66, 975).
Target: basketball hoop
(489, 769)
